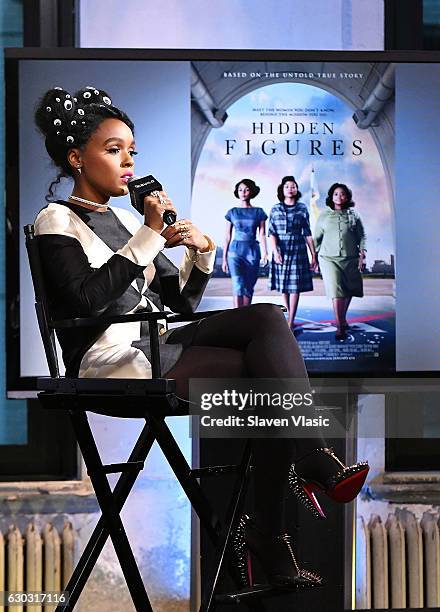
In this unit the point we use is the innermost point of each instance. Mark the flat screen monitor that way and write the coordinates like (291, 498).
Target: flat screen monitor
(207, 120)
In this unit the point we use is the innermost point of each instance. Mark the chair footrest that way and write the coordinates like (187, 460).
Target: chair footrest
(114, 468)
(214, 470)
(256, 591)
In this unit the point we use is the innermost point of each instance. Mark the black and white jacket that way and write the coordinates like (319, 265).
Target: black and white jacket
(108, 263)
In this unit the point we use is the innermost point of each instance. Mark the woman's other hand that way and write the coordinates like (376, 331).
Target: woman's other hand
(278, 258)
(184, 233)
(154, 209)
(314, 264)
(225, 266)
(264, 259)
(361, 261)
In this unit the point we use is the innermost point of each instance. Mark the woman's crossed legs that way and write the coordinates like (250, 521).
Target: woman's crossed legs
(251, 342)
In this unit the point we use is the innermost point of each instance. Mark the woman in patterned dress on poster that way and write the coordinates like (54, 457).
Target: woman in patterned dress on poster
(242, 256)
(290, 235)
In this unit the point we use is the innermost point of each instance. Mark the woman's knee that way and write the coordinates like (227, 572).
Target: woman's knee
(208, 362)
(266, 314)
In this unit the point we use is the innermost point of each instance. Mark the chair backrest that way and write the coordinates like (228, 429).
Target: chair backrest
(41, 304)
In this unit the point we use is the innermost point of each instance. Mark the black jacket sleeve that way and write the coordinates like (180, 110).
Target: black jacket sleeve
(167, 282)
(75, 288)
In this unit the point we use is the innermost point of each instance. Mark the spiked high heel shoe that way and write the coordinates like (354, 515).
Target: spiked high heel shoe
(322, 470)
(275, 555)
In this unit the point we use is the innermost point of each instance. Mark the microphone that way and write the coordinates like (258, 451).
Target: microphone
(141, 186)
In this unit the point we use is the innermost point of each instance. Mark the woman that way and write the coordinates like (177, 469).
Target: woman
(290, 235)
(241, 258)
(340, 241)
(99, 259)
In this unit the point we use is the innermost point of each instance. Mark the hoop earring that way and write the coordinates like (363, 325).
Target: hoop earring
(79, 169)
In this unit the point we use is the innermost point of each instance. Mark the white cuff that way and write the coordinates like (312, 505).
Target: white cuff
(203, 261)
(143, 246)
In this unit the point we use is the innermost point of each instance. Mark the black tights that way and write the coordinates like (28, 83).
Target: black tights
(253, 342)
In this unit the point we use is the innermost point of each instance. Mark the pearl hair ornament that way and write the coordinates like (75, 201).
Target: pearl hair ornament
(69, 104)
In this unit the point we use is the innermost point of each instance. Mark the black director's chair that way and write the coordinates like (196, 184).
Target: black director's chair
(151, 400)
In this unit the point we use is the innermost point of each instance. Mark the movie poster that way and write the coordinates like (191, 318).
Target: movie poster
(323, 124)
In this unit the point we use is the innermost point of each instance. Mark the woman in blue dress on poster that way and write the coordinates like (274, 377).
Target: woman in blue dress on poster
(290, 235)
(242, 255)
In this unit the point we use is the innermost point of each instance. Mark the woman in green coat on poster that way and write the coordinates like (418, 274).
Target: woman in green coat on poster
(340, 242)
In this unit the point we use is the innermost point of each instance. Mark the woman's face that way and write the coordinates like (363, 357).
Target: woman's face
(244, 193)
(107, 159)
(290, 189)
(339, 197)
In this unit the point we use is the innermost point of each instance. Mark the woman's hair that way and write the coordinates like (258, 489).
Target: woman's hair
(68, 121)
(280, 189)
(255, 190)
(329, 200)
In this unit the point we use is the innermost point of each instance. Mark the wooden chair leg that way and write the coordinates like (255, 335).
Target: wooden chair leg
(93, 549)
(110, 512)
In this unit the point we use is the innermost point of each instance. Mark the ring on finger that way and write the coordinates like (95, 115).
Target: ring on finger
(162, 200)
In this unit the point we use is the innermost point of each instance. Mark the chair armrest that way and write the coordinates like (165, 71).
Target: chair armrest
(192, 316)
(195, 316)
(141, 315)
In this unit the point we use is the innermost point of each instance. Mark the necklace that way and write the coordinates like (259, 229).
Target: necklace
(84, 201)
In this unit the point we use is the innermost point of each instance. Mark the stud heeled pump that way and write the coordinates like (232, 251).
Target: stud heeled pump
(275, 555)
(322, 470)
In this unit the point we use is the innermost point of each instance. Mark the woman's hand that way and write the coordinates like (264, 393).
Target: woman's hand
(277, 256)
(154, 209)
(225, 266)
(361, 261)
(314, 263)
(184, 233)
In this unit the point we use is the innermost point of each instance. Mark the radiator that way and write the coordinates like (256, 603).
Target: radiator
(36, 561)
(398, 562)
